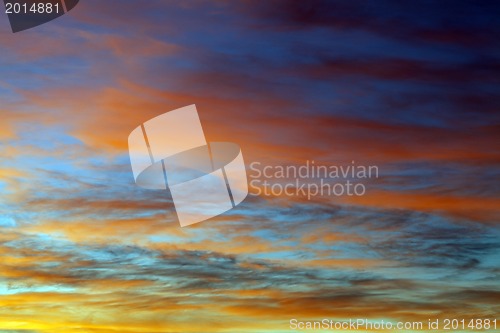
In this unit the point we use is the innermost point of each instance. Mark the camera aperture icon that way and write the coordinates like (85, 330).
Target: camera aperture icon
(205, 179)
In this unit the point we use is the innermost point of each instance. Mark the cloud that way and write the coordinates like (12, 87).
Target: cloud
(83, 248)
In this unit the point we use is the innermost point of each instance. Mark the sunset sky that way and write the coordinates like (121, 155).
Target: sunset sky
(411, 87)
